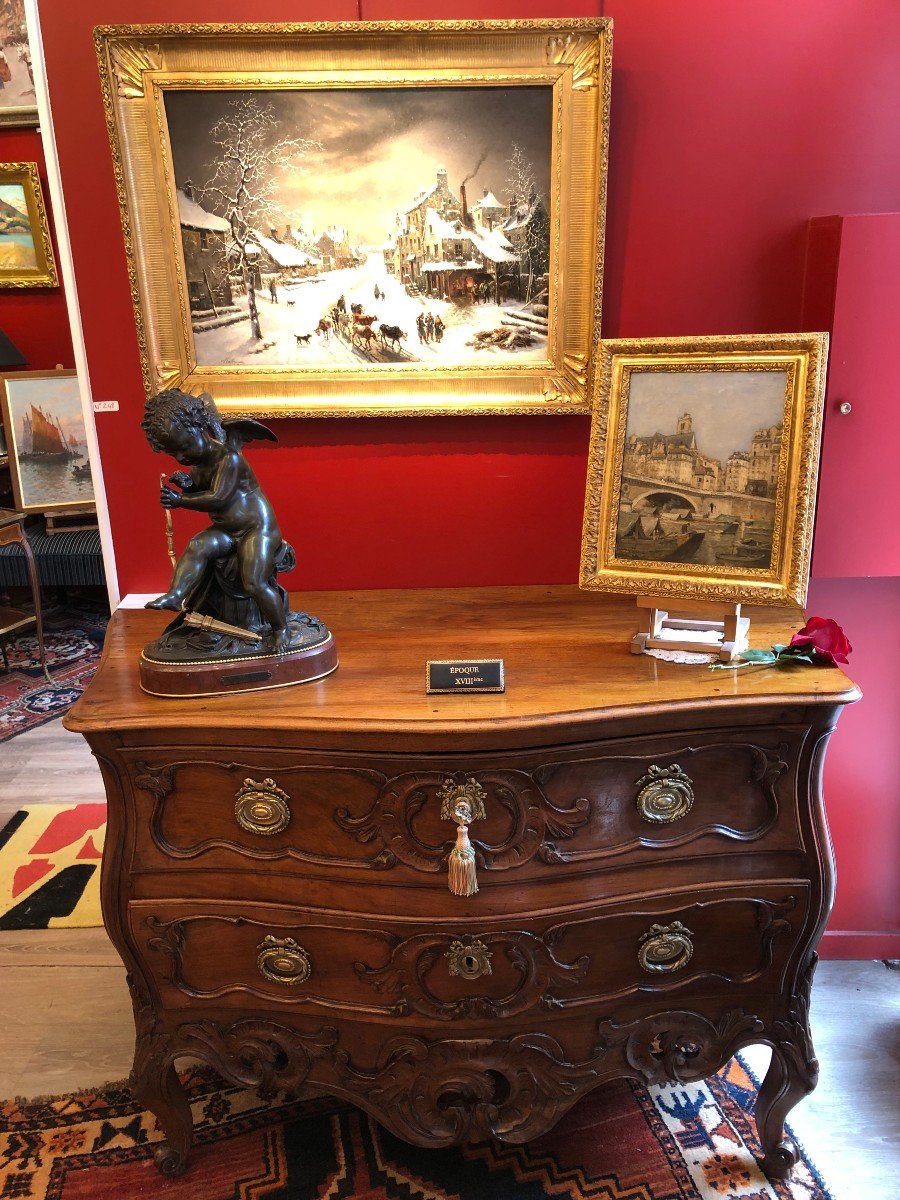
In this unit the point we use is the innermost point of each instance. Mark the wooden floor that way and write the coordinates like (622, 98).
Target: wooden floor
(65, 1015)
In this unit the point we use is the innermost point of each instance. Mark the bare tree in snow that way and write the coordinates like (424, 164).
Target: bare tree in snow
(528, 237)
(253, 159)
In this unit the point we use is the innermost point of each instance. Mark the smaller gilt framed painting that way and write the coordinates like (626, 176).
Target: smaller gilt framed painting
(45, 435)
(703, 467)
(26, 251)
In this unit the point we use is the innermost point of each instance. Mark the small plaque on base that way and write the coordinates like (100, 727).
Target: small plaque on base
(465, 675)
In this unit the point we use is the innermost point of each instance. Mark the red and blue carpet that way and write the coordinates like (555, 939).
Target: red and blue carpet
(73, 637)
(622, 1142)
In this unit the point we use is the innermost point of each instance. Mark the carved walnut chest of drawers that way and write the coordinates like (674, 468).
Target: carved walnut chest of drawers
(652, 857)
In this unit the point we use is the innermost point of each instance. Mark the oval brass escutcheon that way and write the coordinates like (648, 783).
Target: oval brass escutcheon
(665, 948)
(666, 794)
(470, 959)
(282, 960)
(262, 808)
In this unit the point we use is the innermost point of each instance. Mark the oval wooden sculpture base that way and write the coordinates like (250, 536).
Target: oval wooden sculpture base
(251, 674)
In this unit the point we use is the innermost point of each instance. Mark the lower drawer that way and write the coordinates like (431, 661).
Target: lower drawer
(201, 952)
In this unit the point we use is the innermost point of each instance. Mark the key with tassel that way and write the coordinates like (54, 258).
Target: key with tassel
(462, 803)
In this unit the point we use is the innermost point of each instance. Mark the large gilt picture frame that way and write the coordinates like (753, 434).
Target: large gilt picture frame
(703, 467)
(364, 218)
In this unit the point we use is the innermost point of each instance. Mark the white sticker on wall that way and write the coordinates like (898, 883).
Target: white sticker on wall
(106, 406)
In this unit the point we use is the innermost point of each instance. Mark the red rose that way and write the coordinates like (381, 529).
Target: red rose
(824, 638)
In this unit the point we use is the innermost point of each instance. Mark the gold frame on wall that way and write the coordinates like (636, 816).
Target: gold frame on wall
(139, 63)
(801, 357)
(43, 274)
(10, 381)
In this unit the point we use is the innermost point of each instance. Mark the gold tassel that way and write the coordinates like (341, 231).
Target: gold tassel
(462, 880)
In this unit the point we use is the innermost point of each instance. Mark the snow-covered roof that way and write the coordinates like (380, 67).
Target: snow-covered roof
(524, 211)
(438, 226)
(336, 235)
(492, 244)
(284, 255)
(192, 216)
(421, 196)
(489, 242)
(488, 200)
(471, 265)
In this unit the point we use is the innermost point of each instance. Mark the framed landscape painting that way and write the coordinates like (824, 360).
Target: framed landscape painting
(364, 218)
(26, 251)
(46, 441)
(18, 104)
(703, 467)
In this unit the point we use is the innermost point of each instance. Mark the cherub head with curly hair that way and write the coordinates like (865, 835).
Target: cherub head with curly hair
(173, 411)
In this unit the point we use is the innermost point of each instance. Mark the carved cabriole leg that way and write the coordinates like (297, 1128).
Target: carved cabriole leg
(792, 1074)
(156, 1086)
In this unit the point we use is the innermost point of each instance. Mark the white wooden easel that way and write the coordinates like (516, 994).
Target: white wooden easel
(680, 624)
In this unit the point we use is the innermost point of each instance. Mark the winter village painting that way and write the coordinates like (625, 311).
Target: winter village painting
(700, 467)
(365, 227)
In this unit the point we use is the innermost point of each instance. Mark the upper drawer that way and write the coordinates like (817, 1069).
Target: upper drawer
(535, 814)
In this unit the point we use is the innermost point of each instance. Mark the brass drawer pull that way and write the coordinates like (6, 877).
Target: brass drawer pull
(282, 960)
(462, 803)
(666, 794)
(665, 948)
(262, 808)
(470, 959)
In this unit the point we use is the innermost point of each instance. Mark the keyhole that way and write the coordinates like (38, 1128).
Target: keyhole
(470, 963)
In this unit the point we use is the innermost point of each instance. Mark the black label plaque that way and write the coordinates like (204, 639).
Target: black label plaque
(465, 675)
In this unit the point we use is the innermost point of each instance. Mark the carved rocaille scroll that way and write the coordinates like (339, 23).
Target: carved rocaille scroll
(447, 1092)
(765, 766)
(437, 1092)
(540, 975)
(533, 822)
(680, 1046)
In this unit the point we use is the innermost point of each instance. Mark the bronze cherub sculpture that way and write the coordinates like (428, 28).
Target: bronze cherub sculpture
(231, 608)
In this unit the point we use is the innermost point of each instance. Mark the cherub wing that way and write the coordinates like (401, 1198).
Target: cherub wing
(244, 429)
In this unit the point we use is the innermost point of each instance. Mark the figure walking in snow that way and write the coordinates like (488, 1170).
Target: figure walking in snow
(273, 290)
(438, 329)
(429, 327)
(420, 326)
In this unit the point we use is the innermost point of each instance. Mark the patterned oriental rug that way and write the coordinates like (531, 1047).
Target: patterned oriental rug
(623, 1142)
(50, 867)
(73, 638)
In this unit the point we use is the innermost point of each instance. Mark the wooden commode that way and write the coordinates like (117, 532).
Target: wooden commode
(653, 864)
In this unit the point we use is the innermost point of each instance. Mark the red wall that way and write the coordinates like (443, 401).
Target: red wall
(862, 782)
(34, 319)
(731, 125)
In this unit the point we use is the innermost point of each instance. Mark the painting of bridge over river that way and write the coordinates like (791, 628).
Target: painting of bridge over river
(700, 467)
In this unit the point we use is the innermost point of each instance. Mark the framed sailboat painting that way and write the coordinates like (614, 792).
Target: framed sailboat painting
(46, 441)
